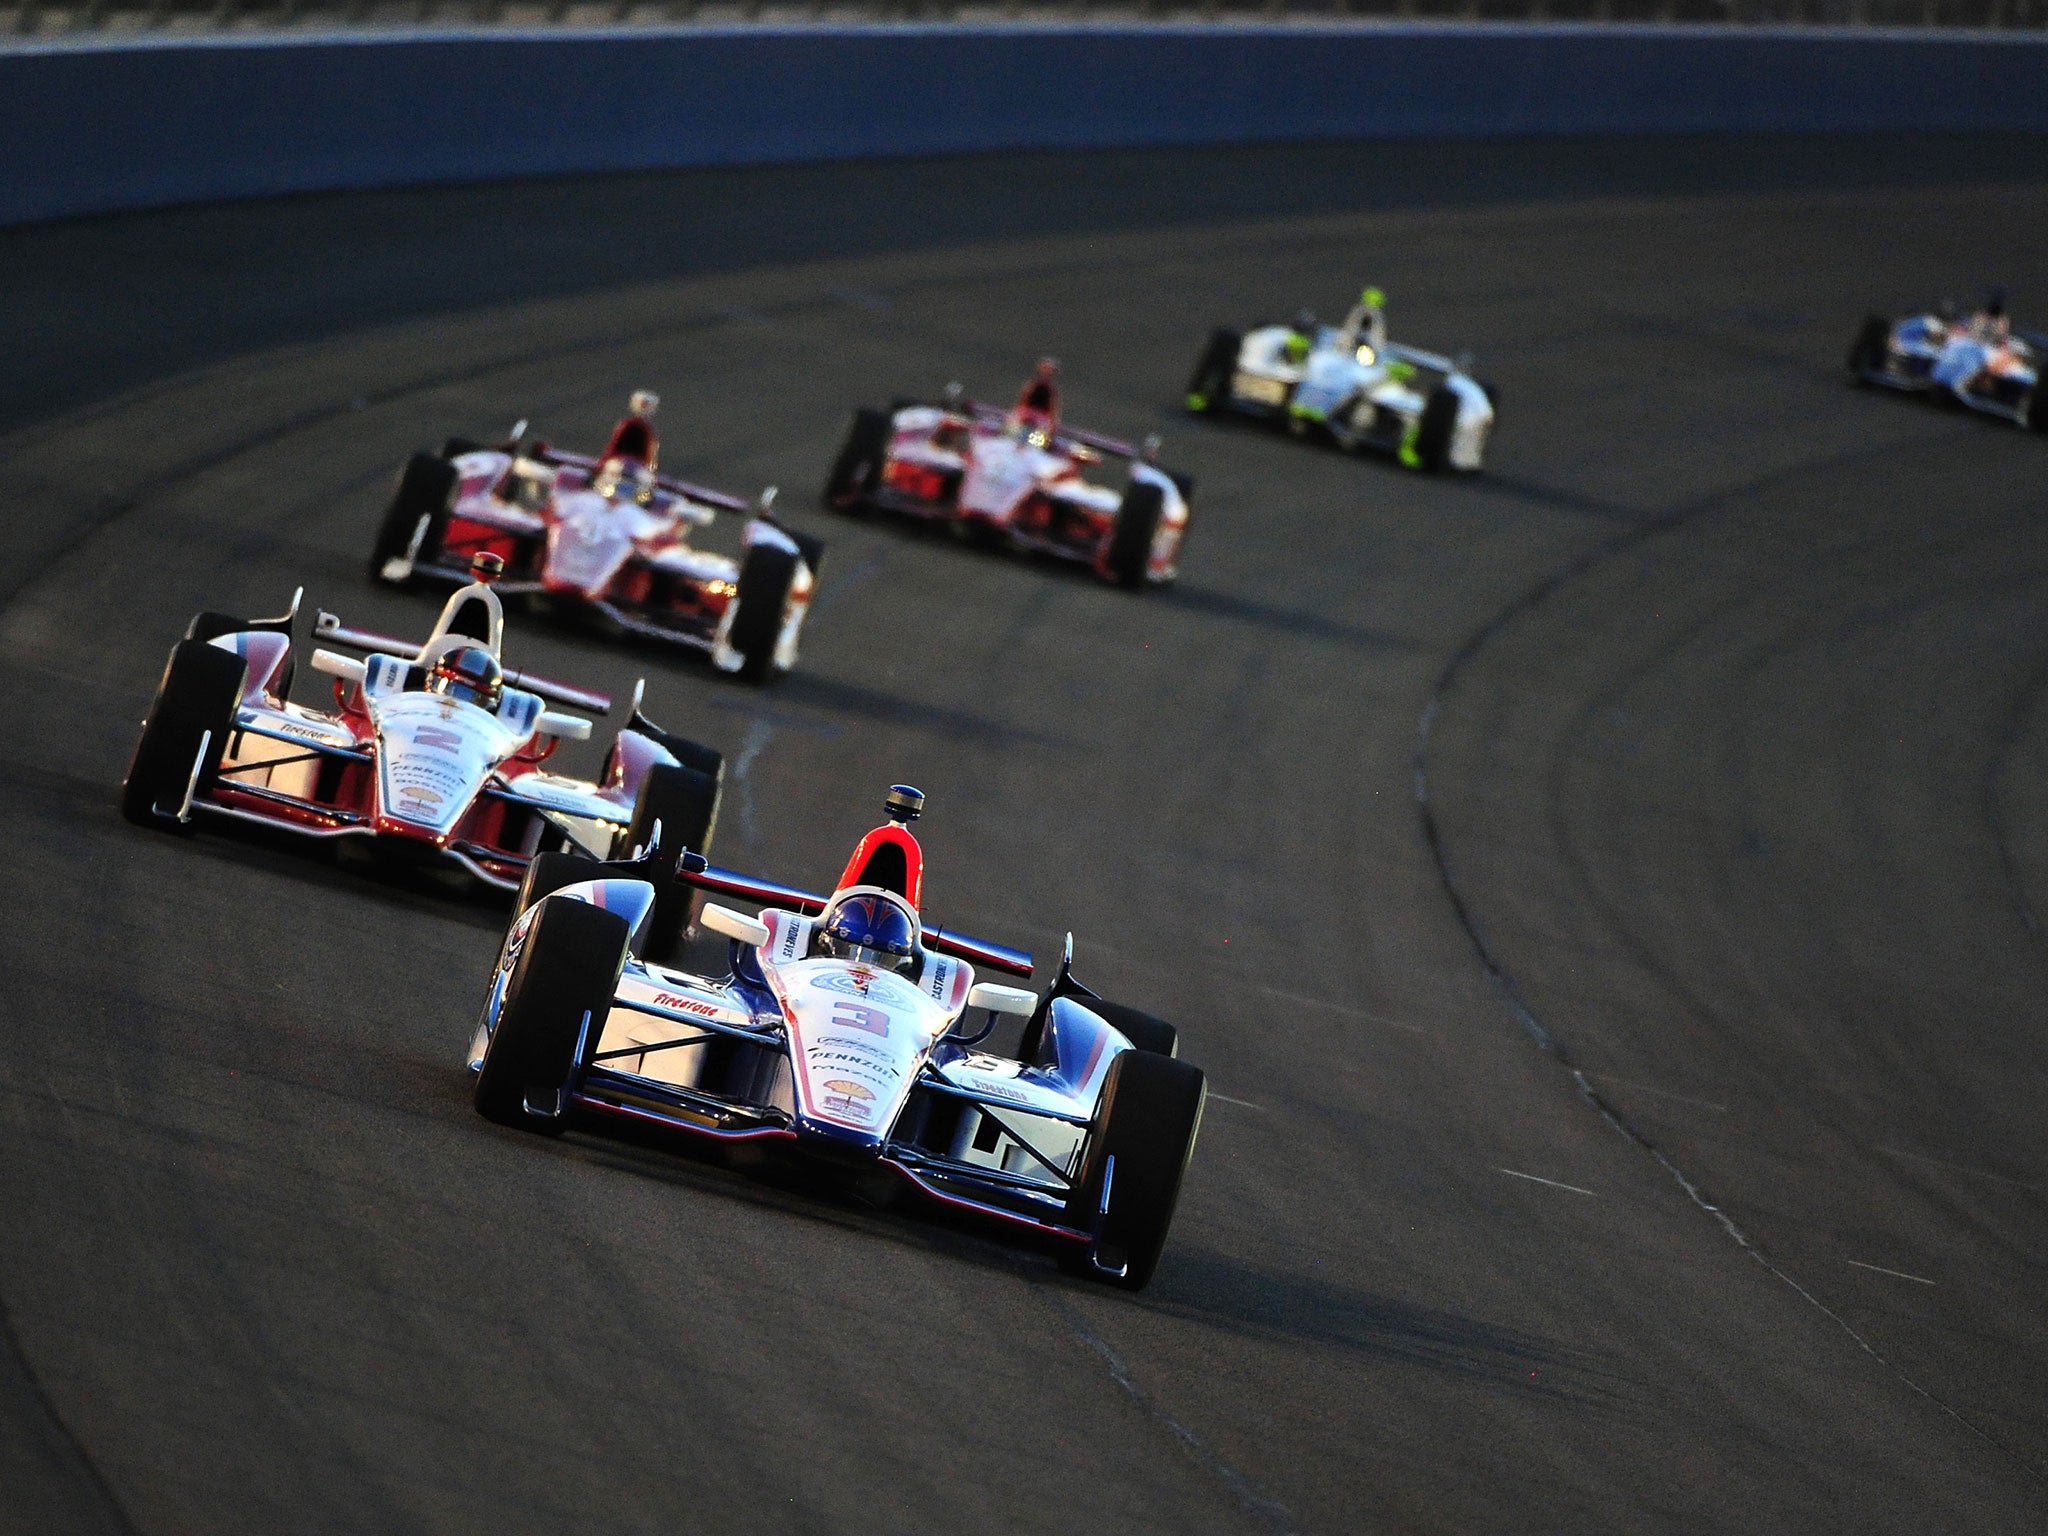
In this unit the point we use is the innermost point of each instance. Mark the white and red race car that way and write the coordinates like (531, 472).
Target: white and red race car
(609, 539)
(1020, 477)
(837, 1034)
(435, 753)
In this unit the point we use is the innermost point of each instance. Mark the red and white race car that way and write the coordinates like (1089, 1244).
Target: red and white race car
(432, 752)
(608, 538)
(839, 1033)
(1018, 476)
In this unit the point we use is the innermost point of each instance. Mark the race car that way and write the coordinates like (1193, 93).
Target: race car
(434, 753)
(840, 1034)
(608, 539)
(1350, 384)
(1018, 477)
(1980, 361)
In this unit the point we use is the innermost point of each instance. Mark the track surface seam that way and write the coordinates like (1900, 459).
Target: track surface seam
(1496, 968)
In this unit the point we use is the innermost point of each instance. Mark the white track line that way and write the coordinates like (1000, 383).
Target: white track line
(1539, 1179)
(1662, 1093)
(1896, 1274)
(1226, 1098)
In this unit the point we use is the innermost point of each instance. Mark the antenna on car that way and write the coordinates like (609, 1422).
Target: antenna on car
(903, 804)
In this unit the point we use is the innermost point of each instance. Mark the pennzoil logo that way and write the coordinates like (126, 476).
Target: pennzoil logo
(848, 1099)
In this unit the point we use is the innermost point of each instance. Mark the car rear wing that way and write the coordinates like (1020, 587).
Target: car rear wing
(1115, 447)
(683, 488)
(770, 893)
(329, 629)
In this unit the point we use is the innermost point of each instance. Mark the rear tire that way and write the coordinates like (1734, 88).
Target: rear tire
(1209, 384)
(1867, 352)
(766, 576)
(685, 804)
(1141, 1029)
(1131, 536)
(567, 972)
(426, 490)
(1439, 423)
(858, 469)
(201, 687)
(1150, 1113)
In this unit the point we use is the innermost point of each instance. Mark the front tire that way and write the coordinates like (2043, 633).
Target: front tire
(1150, 1113)
(558, 998)
(1129, 555)
(766, 577)
(425, 495)
(858, 469)
(1439, 424)
(195, 702)
(551, 872)
(683, 804)
(1867, 352)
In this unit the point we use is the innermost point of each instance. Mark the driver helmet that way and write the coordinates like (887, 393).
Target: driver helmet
(624, 480)
(469, 673)
(871, 930)
(1300, 334)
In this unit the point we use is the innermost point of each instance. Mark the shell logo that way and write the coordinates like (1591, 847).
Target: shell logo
(849, 1100)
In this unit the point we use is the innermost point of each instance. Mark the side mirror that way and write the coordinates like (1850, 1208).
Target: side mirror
(568, 727)
(347, 668)
(735, 925)
(987, 994)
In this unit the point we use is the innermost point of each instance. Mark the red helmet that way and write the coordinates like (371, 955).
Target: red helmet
(469, 673)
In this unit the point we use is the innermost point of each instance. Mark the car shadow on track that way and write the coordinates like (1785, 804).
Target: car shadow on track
(1259, 1302)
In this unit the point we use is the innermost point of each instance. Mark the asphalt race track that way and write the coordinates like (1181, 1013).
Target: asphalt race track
(1607, 894)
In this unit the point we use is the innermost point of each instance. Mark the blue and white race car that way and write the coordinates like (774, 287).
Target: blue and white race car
(1979, 361)
(838, 1033)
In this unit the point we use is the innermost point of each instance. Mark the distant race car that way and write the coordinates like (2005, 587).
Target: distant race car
(1018, 477)
(430, 752)
(608, 538)
(1352, 384)
(837, 1033)
(1981, 361)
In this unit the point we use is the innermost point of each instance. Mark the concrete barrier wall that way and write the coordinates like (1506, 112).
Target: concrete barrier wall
(95, 127)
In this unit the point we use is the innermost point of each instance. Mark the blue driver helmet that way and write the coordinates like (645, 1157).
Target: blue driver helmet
(870, 930)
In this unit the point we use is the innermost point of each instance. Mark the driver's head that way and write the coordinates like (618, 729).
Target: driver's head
(1305, 322)
(469, 673)
(623, 479)
(871, 930)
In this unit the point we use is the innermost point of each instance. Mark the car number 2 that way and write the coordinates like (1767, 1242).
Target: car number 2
(860, 1016)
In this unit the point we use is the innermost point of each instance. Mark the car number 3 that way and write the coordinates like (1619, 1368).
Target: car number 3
(859, 1016)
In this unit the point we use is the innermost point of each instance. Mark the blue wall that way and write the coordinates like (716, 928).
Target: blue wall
(85, 128)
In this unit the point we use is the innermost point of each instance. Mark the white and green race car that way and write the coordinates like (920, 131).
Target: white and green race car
(1351, 384)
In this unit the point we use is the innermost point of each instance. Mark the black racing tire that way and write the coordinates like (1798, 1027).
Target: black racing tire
(567, 972)
(1143, 1030)
(456, 447)
(1867, 351)
(685, 804)
(2037, 411)
(211, 626)
(1439, 423)
(858, 469)
(811, 547)
(1131, 535)
(549, 873)
(1149, 1116)
(426, 489)
(197, 697)
(708, 761)
(1209, 384)
(762, 594)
